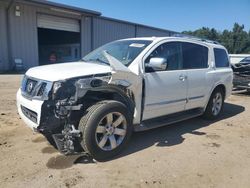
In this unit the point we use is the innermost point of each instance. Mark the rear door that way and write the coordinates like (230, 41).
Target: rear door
(195, 62)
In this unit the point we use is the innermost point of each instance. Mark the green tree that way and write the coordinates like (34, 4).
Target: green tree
(236, 41)
(226, 39)
(204, 33)
(239, 38)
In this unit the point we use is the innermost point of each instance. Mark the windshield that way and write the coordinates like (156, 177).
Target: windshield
(125, 51)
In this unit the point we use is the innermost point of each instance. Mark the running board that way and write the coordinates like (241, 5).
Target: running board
(168, 119)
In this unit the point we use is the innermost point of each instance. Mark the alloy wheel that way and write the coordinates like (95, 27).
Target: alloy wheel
(111, 131)
(217, 104)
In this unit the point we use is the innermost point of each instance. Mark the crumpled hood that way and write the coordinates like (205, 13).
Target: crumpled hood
(63, 71)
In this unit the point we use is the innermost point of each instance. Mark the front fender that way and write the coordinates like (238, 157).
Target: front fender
(123, 76)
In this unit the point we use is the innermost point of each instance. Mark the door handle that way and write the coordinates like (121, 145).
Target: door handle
(182, 77)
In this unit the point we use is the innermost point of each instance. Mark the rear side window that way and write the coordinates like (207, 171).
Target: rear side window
(194, 56)
(221, 58)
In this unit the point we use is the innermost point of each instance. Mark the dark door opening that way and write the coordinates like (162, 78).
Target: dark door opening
(56, 46)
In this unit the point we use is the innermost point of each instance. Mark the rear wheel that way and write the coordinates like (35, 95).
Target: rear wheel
(215, 104)
(106, 129)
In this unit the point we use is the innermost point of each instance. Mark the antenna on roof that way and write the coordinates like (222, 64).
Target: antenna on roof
(194, 38)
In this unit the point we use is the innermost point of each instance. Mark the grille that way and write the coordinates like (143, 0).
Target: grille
(41, 89)
(34, 88)
(29, 114)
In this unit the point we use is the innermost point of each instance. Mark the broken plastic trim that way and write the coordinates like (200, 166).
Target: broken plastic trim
(66, 141)
(122, 75)
(121, 78)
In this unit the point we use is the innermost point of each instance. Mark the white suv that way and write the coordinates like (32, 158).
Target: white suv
(128, 85)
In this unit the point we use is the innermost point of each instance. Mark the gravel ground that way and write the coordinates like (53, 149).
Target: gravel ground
(193, 153)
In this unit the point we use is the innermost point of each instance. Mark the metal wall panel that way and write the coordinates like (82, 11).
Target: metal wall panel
(51, 10)
(105, 30)
(24, 37)
(143, 31)
(58, 23)
(86, 35)
(23, 33)
(3, 39)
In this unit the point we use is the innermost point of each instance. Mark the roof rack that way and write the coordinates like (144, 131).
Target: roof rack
(194, 38)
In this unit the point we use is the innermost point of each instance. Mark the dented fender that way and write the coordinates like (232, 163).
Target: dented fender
(122, 75)
(121, 80)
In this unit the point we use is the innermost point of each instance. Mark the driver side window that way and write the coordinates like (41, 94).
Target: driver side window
(171, 51)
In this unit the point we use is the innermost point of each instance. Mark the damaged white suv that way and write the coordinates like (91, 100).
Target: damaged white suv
(129, 85)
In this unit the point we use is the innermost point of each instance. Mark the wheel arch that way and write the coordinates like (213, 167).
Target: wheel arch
(222, 87)
(218, 86)
(116, 93)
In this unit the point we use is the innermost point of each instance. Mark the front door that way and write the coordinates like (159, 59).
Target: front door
(165, 91)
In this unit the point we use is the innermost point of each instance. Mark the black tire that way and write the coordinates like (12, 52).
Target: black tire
(91, 120)
(208, 114)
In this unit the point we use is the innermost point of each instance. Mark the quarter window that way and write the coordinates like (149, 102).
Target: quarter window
(194, 56)
(221, 58)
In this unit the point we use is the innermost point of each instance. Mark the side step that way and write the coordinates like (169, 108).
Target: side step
(168, 119)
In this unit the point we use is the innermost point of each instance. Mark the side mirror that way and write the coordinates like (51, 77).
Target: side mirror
(157, 63)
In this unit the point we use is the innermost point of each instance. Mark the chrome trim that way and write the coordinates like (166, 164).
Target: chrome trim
(33, 94)
(196, 97)
(166, 102)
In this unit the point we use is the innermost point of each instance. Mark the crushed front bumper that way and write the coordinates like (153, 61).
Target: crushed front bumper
(29, 110)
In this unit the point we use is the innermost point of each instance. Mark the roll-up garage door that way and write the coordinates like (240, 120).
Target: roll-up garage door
(58, 23)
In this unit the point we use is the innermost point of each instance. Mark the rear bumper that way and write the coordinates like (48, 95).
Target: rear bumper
(241, 85)
(241, 80)
(27, 109)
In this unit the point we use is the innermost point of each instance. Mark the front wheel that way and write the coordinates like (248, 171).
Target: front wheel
(215, 105)
(106, 129)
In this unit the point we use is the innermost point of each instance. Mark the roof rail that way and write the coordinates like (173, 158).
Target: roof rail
(194, 38)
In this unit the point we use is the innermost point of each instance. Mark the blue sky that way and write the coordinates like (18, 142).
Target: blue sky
(176, 15)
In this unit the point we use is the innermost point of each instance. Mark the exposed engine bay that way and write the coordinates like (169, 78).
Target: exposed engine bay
(69, 99)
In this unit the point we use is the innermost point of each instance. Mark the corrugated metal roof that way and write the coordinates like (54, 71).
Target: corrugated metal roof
(63, 6)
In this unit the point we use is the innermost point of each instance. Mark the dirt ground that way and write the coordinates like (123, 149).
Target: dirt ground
(193, 153)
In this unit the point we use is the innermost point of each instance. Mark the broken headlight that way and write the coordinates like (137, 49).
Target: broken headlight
(68, 88)
(63, 90)
(91, 82)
